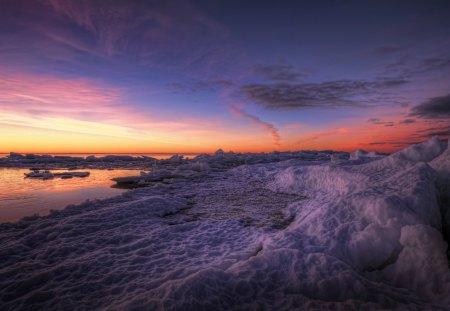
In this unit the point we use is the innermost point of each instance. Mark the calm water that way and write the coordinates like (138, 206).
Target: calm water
(21, 196)
(159, 156)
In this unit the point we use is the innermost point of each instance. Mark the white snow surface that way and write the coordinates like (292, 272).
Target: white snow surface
(292, 235)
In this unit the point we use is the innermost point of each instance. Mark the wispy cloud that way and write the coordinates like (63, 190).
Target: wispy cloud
(90, 36)
(269, 128)
(278, 72)
(321, 135)
(439, 129)
(409, 67)
(81, 105)
(417, 135)
(40, 95)
(388, 50)
(199, 86)
(149, 32)
(378, 121)
(407, 121)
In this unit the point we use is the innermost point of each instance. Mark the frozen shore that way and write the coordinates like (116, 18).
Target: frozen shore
(220, 160)
(229, 231)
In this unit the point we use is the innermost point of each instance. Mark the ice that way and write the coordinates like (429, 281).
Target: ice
(15, 156)
(237, 231)
(367, 212)
(355, 155)
(49, 175)
(441, 165)
(422, 263)
(362, 155)
(158, 205)
(337, 156)
(425, 151)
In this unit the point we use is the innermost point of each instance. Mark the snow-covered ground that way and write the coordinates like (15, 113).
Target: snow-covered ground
(357, 234)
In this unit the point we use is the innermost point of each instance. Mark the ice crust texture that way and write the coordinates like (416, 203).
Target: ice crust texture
(358, 234)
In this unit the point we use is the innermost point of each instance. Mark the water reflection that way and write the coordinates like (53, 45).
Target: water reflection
(159, 156)
(20, 197)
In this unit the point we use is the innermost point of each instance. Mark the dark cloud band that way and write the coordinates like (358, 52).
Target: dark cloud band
(332, 94)
(435, 108)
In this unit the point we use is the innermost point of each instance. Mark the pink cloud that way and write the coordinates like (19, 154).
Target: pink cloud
(269, 128)
(294, 126)
(43, 97)
(323, 134)
(35, 95)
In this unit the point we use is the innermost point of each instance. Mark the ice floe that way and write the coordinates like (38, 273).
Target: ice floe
(45, 174)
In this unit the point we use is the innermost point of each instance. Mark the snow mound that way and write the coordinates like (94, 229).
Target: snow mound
(366, 214)
(423, 152)
(441, 165)
(421, 264)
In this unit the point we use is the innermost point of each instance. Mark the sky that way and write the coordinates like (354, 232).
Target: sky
(143, 76)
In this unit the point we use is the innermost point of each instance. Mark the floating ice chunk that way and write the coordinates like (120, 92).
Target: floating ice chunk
(48, 175)
(127, 179)
(79, 174)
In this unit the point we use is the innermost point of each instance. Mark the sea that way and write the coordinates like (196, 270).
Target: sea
(21, 197)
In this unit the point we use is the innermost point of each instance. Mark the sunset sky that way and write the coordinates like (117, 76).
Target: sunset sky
(194, 76)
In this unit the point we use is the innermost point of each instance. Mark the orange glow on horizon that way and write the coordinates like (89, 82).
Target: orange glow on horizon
(52, 115)
(24, 139)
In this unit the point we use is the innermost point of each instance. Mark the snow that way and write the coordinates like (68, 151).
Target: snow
(425, 151)
(284, 231)
(362, 154)
(441, 165)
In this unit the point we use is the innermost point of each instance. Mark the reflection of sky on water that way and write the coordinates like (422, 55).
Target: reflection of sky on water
(159, 156)
(21, 196)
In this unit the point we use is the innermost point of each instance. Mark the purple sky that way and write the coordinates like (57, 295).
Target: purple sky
(143, 76)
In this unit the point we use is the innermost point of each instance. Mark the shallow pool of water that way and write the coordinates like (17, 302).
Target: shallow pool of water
(20, 197)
